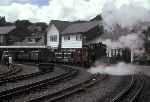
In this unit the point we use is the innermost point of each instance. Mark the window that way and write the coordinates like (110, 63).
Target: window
(78, 37)
(67, 37)
(53, 38)
(1, 39)
(31, 40)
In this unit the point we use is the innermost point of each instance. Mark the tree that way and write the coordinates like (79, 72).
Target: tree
(2, 21)
(20, 32)
(147, 36)
(22, 24)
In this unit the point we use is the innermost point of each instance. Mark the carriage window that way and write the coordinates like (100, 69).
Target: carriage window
(53, 38)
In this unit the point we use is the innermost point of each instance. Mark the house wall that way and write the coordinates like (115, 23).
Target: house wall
(2, 39)
(52, 31)
(72, 43)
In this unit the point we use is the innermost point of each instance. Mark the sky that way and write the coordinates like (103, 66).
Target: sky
(33, 2)
(47, 10)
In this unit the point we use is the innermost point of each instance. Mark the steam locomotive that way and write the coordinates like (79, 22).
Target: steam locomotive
(89, 54)
(82, 56)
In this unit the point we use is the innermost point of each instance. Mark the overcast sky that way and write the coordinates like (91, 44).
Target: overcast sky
(46, 10)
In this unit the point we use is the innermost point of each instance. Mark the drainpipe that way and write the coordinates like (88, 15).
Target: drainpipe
(60, 41)
(132, 55)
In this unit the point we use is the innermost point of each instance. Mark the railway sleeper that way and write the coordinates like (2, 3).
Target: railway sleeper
(39, 84)
(67, 91)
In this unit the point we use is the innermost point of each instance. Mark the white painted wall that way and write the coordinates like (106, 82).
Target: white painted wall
(52, 30)
(72, 43)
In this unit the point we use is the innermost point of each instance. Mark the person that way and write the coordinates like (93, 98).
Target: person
(10, 61)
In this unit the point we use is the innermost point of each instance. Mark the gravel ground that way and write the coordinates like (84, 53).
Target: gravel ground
(81, 76)
(11, 85)
(101, 92)
(3, 69)
(145, 94)
(123, 82)
(27, 69)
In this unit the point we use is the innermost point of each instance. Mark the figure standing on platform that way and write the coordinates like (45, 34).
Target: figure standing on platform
(10, 62)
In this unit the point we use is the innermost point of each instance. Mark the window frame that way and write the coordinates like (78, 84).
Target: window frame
(67, 37)
(53, 38)
(78, 38)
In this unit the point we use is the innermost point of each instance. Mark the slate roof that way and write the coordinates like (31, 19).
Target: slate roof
(25, 45)
(61, 25)
(31, 47)
(28, 44)
(80, 27)
(96, 18)
(6, 29)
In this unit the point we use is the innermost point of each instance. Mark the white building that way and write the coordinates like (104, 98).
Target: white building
(53, 33)
(71, 34)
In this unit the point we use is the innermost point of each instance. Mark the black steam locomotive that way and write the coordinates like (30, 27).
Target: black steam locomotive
(82, 56)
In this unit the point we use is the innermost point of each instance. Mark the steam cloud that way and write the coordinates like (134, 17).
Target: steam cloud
(128, 17)
(124, 27)
(118, 69)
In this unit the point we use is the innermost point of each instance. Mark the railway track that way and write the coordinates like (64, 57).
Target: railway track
(13, 70)
(20, 77)
(14, 78)
(131, 92)
(54, 97)
(35, 85)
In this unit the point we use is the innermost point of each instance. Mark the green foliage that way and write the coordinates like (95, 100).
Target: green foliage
(2, 21)
(147, 36)
(20, 32)
(22, 23)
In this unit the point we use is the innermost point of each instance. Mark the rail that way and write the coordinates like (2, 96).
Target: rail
(69, 72)
(12, 71)
(139, 90)
(130, 87)
(68, 91)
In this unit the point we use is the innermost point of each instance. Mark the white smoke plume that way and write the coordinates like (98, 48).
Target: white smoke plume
(132, 41)
(126, 35)
(118, 69)
(127, 16)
